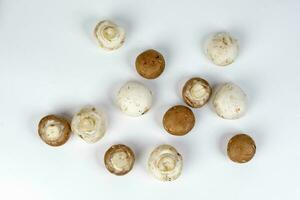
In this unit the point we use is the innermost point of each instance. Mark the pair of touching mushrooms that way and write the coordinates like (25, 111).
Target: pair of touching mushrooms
(109, 35)
(221, 48)
(89, 124)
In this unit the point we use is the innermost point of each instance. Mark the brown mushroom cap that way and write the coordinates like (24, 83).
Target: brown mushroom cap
(119, 159)
(196, 92)
(58, 124)
(241, 148)
(150, 64)
(179, 120)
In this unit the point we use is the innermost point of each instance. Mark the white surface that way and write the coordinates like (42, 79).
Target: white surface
(50, 63)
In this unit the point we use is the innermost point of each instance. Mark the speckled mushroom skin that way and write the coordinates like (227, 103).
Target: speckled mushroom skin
(150, 64)
(165, 163)
(179, 120)
(229, 101)
(222, 49)
(119, 159)
(134, 99)
(60, 132)
(241, 148)
(196, 92)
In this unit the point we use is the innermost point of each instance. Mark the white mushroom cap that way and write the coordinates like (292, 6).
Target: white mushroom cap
(109, 35)
(134, 99)
(229, 101)
(165, 163)
(222, 49)
(89, 124)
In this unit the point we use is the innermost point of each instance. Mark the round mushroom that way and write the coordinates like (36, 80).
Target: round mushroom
(196, 92)
(150, 64)
(109, 35)
(134, 99)
(89, 124)
(241, 148)
(179, 120)
(165, 163)
(119, 159)
(222, 49)
(229, 101)
(54, 130)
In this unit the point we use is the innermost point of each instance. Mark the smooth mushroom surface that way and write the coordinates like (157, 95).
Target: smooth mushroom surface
(179, 120)
(89, 124)
(222, 49)
(229, 101)
(165, 163)
(119, 159)
(150, 64)
(109, 35)
(196, 92)
(134, 99)
(54, 130)
(241, 148)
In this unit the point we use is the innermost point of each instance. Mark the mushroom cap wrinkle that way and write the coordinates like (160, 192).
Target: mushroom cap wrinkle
(165, 163)
(54, 130)
(89, 124)
(229, 101)
(134, 99)
(109, 35)
(222, 49)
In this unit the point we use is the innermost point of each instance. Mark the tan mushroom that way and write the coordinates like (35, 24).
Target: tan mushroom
(119, 159)
(54, 130)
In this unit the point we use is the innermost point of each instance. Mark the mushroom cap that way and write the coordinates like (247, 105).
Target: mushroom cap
(89, 124)
(179, 120)
(196, 92)
(241, 148)
(54, 130)
(229, 101)
(222, 49)
(134, 99)
(150, 64)
(109, 35)
(165, 163)
(119, 159)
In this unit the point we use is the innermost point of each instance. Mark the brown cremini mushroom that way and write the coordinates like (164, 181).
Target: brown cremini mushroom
(54, 130)
(179, 120)
(241, 148)
(150, 64)
(119, 159)
(196, 92)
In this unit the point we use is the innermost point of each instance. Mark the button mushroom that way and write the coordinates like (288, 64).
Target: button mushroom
(196, 92)
(150, 64)
(179, 120)
(54, 130)
(229, 101)
(241, 148)
(134, 99)
(165, 163)
(109, 35)
(222, 49)
(119, 159)
(89, 124)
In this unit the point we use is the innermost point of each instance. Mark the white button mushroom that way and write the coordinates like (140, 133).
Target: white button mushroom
(89, 124)
(222, 49)
(109, 35)
(134, 99)
(229, 101)
(165, 163)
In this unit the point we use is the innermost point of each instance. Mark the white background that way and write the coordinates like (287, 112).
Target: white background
(50, 64)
